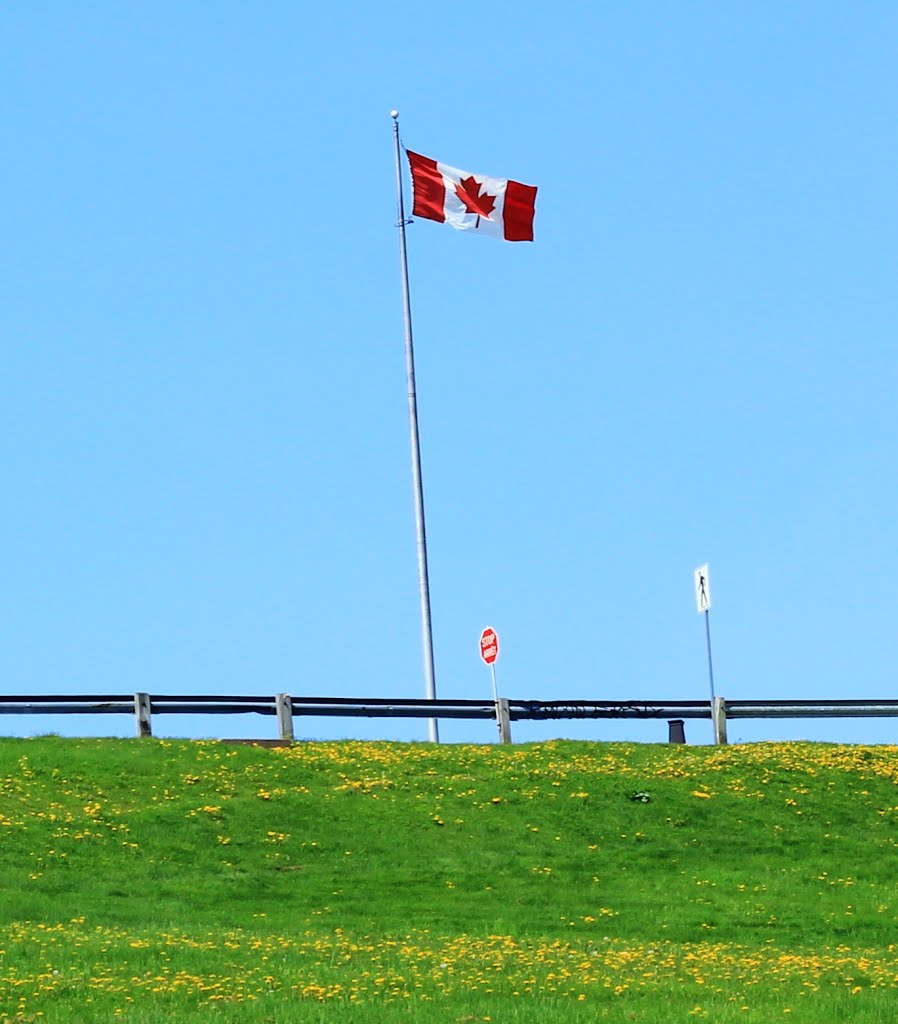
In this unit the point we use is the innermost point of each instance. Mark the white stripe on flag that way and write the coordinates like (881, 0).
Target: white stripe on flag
(458, 215)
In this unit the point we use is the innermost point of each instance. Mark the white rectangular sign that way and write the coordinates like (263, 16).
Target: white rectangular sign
(702, 589)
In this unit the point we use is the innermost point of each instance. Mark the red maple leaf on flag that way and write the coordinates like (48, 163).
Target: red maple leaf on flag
(468, 191)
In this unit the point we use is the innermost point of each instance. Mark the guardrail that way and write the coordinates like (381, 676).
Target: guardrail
(285, 708)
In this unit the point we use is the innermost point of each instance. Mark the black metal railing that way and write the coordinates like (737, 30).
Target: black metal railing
(287, 708)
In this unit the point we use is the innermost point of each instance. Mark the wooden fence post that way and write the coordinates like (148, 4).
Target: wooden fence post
(284, 706)
(503, 720)
(719, 720)
(143, 714)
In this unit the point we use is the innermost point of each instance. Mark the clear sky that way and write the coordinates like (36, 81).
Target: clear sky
(204, 439)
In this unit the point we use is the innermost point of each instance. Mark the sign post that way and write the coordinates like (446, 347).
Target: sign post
(702, 580)
(489, 652)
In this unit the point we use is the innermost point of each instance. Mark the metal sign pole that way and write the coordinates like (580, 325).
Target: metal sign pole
(702, 581)
(503, 715)
(708, 639)
(421, 533)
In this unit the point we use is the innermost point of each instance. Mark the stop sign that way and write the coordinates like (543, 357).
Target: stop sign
(489, 645)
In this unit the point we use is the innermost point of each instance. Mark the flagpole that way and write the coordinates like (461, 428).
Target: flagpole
(423, 579)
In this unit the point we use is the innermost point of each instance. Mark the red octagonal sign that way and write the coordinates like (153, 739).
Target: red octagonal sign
(489, 645)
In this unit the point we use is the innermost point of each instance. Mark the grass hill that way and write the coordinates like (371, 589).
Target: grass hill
(144, 881)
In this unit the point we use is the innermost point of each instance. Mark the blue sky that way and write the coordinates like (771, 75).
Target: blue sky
(203, 424)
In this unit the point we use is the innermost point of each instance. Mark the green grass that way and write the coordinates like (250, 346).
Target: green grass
(149, 880)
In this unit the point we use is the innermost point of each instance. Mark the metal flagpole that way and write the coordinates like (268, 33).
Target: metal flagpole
(423, 580)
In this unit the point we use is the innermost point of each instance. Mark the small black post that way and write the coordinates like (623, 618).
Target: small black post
(677, 733)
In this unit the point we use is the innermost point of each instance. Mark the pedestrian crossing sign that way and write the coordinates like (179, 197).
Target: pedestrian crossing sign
(702, 589)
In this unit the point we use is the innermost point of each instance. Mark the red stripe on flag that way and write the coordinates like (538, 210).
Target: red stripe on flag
(428, 187)
(520, 206)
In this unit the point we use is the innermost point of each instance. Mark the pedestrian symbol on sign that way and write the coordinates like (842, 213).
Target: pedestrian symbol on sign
(702, 589)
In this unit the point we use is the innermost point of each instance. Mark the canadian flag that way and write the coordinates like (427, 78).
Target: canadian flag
(472, 202)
